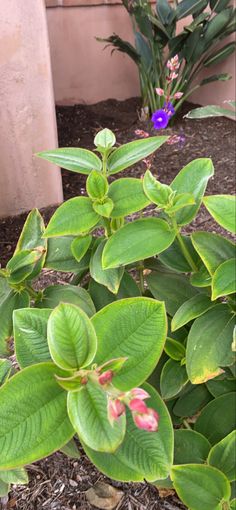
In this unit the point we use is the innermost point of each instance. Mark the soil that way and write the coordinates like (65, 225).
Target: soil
(59, 483)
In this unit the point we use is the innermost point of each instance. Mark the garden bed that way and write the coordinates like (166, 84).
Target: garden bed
(58, 483)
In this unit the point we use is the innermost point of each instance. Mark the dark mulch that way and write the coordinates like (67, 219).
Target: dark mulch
(58, 483)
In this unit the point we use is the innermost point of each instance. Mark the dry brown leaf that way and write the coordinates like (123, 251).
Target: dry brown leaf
(104, 496)
(164, 493)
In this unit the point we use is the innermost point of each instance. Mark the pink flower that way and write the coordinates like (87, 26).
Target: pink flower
(115, 409)
(147, 421)
(138, 405)
(174, 76)
(178, 95)
(139, 393)
(160, 92)
(105, 377)
(173, 64)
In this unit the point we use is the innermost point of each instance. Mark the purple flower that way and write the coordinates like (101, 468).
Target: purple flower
(169, 108)
(160, 119)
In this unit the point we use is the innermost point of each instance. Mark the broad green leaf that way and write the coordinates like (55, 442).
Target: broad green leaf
(233, 504)
(217, 77)
(132, 152)
(127, 196)
(17, 476)
(222, 456)
(71, 337)
(87, 410)
(121, 328)
(205, 112)
(218, 386)
(137, 240)
(105, 139)
(103, 208)
(180, 201)
(190, 447)
(217, 419)
(128, 287)
(110, 278)
(173, 379)
(223, 210)
(213, 249)
(21, 265)
(100, 295)
(74, 217)
(194, 397)
(174, 259)
(164, 11)
(30, 335)
(217, 24)
(77, 160)
(4, 488)
(55, 294)
(12, 301)
(5, 370)
(157, 192)
(96, 185)
(224, 279)
(59, 254)
(33, 416)
(218, 5)
(200, 486)
(170, 287)
(80, 246)
(174, 349)
(31, 238)
(193, 179)
(209, 344)
(71, 450)
(192, 308)
(142, 454)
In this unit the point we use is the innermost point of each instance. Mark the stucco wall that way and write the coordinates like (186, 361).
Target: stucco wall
(84, 72)
(27, 112)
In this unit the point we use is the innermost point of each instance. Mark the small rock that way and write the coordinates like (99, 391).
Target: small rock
(104, 496)
(73, 483)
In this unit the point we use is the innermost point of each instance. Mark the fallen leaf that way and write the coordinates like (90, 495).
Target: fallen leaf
(164, 493)
(104, 496)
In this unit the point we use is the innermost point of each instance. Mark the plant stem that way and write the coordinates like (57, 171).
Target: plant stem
(184, 248)
(107, 226)
(186, 425)
(104, 164)
(140, 269)
(33, 293)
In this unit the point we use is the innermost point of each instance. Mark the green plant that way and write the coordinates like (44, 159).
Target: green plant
(205, 112)
(199, 44)
(84, 348)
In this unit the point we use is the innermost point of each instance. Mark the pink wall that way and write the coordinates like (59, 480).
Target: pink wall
(85, 73)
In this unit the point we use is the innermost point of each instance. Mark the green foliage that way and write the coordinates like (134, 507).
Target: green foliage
(202, 43)
(144, 301)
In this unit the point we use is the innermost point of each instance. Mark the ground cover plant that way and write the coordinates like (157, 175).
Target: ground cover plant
(85, 348)
(200, 45)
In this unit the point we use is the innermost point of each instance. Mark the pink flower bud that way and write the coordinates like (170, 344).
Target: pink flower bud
(178, 95)
(147, 421)
(138, 405)
(115, 409)
(139, 393)
(160, 92)
(105, 377)
(174, 76)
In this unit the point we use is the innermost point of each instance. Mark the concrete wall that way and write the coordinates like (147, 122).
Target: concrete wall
(27, 112)
(84, 72)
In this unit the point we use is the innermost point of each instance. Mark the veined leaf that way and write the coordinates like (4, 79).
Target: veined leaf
(137, 240)
(87, 410)
(31, 238)
(33, 416)
(209, 344)
(105, 139)
(80, 246)
(223, 210)
(217, 419)
(224, 279)
(121, 327)
(132, 152)
(59, 254)
(193, 179)
(141, 454)
(174, 259)
(74, 217)
(192, 400)
(128, 197)
(5, 370)
(17, 476)
(55, 294)
(30, 335)
(187, 7)
(190, 447)
(71, 337)
(173, 379)
(222, 456)
(220, 55)
(77, 160)
(110, 278)
(12, 301)
(213, 249)
(200, 486)
(192, 308)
